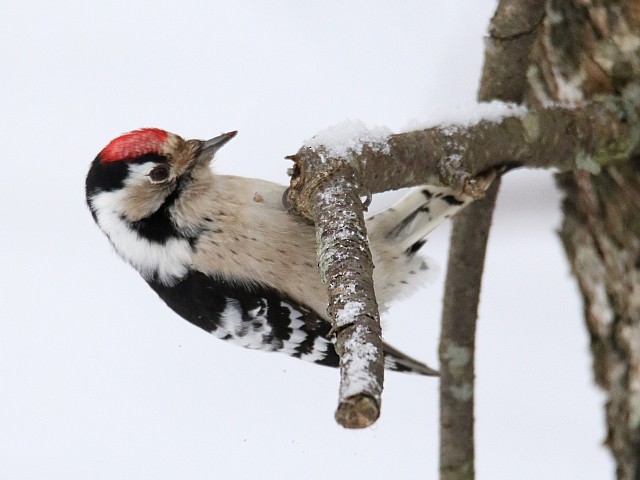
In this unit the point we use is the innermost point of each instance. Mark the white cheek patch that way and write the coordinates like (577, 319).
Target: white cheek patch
(167, 262)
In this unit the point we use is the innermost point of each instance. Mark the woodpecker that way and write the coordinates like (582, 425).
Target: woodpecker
(223, 253)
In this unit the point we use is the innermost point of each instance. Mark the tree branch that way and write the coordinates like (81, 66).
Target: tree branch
(587, 49)
(512, 31)
(457, 346)
(346, 268)
(588, 137)
(566, 138)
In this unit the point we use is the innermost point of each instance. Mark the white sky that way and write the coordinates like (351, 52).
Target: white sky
(100, 380)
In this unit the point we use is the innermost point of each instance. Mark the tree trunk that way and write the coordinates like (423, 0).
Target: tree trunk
(601, 235)
(590, 47)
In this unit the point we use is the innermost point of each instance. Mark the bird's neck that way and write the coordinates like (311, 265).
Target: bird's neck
(154, 245)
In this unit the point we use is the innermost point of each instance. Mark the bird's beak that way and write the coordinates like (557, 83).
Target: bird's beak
(210, 147)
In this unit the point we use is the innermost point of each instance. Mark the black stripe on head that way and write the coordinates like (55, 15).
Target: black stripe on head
(158, 227)
(105, 177)
(109, 176)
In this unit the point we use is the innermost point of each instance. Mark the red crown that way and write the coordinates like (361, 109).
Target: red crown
(133, 144)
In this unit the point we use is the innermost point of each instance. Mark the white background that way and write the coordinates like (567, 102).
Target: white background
(100, 380)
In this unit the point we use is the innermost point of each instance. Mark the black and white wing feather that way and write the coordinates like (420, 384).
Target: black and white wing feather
(261, 318)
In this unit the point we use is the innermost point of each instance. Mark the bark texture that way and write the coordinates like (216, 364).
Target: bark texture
(512, 32)
(586, 48)
(601, 235)
(590, 136)
(346, 268)
(589, 48)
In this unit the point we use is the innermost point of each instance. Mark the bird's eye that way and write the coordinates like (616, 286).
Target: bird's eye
(159, 174)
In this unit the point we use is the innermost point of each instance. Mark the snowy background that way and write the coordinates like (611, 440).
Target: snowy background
(100, 380)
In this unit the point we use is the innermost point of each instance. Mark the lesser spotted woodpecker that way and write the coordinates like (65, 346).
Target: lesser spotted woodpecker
(224, 254)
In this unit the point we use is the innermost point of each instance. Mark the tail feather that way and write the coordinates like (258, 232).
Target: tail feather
(410, 220)
(397, 233)
(403, 229)
(395, 360)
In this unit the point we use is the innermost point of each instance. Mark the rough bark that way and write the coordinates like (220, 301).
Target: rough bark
(586, 48)
(589, 48)
(513, 29)
(601, 235)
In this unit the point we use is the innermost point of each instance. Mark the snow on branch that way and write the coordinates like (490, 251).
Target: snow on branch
(565, 138)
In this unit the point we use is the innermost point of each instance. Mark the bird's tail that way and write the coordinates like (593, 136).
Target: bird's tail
(408, 222)
(396, 360)
(398, 232)
(404, 227)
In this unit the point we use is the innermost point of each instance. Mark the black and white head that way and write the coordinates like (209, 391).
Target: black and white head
(133, 187)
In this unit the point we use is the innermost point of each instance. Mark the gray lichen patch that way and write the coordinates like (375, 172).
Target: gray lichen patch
(456, 356)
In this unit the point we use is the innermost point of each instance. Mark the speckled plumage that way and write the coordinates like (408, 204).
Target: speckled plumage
(224, 254)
